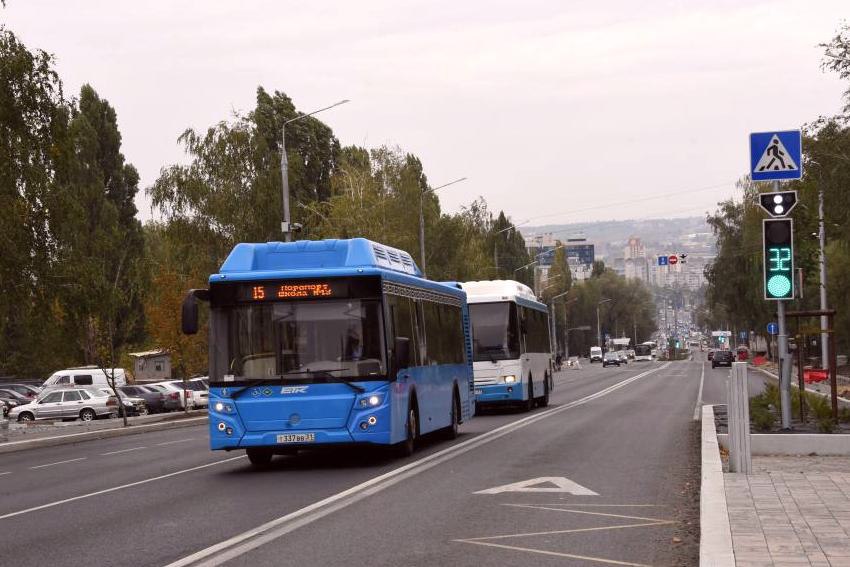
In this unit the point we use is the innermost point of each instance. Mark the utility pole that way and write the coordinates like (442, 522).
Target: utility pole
(598, 324)
(286, 226)
(422, 220)
(824, 320)
(784, 359)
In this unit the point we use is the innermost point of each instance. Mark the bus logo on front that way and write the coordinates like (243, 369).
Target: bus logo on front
(294, 390)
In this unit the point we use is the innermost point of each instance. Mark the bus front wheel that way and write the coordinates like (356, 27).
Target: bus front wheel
(544, 399)
(406, 447)
(529, 403)
(260, 458)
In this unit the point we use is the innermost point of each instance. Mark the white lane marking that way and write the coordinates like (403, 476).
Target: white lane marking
(7, 472)
(99, 431)
(116, 488)
(177, 441)
(58, 463)
(557, 554)
(561, 483)
(238, 545)
(698, 406)
(123, 451)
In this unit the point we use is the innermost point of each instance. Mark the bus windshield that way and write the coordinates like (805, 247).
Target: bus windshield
(494, 331)
(305, 341)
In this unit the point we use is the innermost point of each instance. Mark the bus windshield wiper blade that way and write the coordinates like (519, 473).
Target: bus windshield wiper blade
(327, 374)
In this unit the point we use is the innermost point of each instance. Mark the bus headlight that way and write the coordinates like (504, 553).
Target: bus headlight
(509, 379)
(371, 401)
(222, 407)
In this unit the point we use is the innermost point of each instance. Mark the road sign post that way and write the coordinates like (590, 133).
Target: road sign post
(777, 156)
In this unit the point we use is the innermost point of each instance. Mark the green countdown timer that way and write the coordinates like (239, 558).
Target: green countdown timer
(778, 258)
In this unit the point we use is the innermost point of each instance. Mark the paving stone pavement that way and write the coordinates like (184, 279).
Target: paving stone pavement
(792, 511)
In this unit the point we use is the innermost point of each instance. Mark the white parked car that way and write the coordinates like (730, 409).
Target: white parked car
(86, 404)
(194, 391)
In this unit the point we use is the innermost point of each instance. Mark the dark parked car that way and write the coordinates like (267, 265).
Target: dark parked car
(30, 392)
(154, 399)
(722, 358)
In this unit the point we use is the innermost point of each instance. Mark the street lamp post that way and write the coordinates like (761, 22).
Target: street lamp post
(598, 326)
(554, 326)
(286, 227)
(422, 219)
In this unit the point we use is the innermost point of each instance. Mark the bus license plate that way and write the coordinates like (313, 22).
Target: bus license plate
(297, 438)
(479, 391)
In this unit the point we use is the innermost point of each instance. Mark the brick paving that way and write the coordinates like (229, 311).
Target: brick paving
(792, 511)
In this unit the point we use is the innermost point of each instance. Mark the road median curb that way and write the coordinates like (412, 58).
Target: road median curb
(70, 438)
(715, 544)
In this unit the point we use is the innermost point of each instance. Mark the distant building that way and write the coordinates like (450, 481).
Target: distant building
(151, 365)
(580, 257)
(634, 260)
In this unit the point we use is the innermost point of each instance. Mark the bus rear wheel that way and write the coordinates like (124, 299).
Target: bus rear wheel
(260, 458)
(451, 432)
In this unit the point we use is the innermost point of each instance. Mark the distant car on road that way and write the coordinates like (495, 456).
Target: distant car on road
(721, 358)
(596, 354)
(624, 356)
(611, 358)
(72, 403)
(710, 355)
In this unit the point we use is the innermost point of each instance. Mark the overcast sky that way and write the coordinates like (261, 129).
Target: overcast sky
(550, 108)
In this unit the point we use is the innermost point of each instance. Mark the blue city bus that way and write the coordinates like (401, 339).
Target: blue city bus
(318, 343)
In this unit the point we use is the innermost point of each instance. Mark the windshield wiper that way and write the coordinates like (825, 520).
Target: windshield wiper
(327, 374)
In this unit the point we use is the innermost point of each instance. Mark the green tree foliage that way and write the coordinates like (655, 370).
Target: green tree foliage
(630, 312)
(837, 58)
(32, 115)
(509, 251)
(72, 247)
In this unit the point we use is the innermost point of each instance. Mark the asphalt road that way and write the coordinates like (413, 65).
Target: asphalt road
(606, 476)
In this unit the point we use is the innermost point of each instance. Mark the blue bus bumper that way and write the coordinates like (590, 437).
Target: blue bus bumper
(227, 432)
(500, 393)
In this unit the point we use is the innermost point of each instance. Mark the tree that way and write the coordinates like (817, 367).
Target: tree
(33, 115)
(509, 251)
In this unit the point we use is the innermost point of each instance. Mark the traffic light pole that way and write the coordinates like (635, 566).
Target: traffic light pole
(784, 357)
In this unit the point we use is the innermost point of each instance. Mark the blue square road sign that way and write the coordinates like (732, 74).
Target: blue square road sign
(776, 155)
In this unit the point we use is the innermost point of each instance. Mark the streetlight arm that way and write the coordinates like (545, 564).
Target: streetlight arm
(300, 116)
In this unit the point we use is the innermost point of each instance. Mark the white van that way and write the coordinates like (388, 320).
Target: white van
(85, 376)
(595, 354)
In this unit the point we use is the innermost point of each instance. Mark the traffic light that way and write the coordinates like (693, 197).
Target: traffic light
(778, 237)
(778, 204)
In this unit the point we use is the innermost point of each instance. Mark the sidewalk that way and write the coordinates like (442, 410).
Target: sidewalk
(792, 511)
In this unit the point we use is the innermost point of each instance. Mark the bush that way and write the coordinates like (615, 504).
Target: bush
(762, 418)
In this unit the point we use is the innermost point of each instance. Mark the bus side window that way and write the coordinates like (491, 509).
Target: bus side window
(402, 313)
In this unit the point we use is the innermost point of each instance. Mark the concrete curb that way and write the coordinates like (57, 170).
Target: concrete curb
(823, 444)
(715, 544)
(70, 438)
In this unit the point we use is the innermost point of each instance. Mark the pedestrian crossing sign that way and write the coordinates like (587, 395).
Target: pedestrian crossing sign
(776, 155)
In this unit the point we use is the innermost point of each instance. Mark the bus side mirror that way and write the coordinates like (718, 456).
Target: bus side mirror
(401, 353)
(189, 312)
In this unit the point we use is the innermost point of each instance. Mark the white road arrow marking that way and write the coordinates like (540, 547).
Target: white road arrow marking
(556, 484)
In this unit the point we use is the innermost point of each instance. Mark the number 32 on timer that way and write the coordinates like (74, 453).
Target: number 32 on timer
(780, 258)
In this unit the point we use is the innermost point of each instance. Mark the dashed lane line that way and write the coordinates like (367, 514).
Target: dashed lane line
(123, 451)
(174, 442)
(4, 473)
(698, 406)
(116, 488)
(58, 463)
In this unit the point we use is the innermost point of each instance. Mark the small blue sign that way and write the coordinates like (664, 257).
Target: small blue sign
(662, 260)
(772, 329)
(776, 155)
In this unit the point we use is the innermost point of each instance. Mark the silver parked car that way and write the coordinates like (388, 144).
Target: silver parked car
(86, 404)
